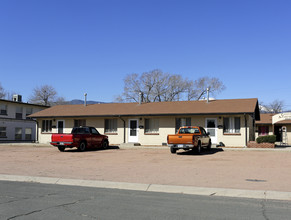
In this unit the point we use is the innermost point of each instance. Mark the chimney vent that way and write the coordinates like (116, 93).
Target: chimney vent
(17, 98)
(140, 98)
(85, 102)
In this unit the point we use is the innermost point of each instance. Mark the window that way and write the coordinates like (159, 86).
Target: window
(110, 125)
(3, 109)
(94, 131)
(18, 114)
(28, 134)
(263, 130)
(231, 125)
(204, 133)
(46, 126)
(28, 111)
(151, 125)
(189, 131)
(180, 122)
(2, 132)
(79, 123)
(18, 133)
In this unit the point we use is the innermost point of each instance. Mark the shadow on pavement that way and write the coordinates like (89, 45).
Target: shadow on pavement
(75, 150)
(203, 152)
(282, 146)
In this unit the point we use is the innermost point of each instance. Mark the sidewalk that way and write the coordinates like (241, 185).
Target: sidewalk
(202, 191)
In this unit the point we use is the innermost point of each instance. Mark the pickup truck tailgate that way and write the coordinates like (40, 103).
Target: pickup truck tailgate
(180, 139)
(62, 138)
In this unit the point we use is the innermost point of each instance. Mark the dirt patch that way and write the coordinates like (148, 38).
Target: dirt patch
(258, 170)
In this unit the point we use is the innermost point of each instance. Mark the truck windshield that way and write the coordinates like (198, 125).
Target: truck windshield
(189, 131)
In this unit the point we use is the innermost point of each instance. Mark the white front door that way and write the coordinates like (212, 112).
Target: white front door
(133, 131)
(211, 127)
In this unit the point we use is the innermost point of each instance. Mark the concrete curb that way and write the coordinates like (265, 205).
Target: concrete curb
(241, 193)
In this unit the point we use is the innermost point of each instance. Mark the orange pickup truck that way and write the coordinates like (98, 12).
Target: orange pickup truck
(189, 137)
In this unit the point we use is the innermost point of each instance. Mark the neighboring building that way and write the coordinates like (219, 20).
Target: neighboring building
(275, 124)
(15, 125)
(231, 122)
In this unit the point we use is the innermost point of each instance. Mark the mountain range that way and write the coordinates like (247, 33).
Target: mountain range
(80, 102)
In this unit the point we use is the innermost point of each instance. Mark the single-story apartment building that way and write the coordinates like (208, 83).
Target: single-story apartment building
(275, 124)
(230, 122)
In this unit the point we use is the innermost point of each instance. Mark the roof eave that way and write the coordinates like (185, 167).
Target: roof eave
(136, 115)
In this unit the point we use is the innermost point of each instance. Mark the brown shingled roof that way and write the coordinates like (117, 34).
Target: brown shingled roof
(231, 106)
(265, 118)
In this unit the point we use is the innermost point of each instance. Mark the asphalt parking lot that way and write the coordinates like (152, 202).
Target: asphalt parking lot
(234, 169)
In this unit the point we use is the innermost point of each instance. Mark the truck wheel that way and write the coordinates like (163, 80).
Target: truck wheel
(61, 148)
(209, 145)
(104, 144)
(198, 148)
(173, 150)
(82, 146)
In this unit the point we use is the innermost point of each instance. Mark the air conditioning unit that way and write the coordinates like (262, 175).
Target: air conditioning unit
(17, 98)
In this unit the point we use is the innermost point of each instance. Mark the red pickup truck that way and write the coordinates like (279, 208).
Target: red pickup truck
(81, 138)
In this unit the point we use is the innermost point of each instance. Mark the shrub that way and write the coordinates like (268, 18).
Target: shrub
(266, 139)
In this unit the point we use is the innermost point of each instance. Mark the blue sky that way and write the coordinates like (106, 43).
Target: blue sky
(90, 46)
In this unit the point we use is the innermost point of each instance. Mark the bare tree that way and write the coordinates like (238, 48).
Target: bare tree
(2, 92)
(60, 101)
(276, 106)
(9, 95)
(176, 86)
(156, 86)
(198, 88)
(131, 88)
(45, 95)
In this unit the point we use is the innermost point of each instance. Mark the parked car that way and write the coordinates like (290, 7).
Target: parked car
(189, 137)
(81, 138)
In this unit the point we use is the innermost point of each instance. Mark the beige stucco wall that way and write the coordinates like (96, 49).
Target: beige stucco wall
(237, 140)
(166, 126)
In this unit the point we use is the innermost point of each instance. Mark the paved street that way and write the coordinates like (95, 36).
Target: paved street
(30, 201)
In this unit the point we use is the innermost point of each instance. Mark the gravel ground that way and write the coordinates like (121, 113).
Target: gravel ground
(238, 169)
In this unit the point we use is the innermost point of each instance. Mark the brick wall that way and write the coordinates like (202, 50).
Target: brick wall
(253, 144)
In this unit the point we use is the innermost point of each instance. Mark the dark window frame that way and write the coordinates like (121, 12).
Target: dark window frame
(231, 125)
(150, 124)
(3, 133)
(46, 126)
(110, 126)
